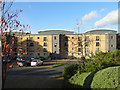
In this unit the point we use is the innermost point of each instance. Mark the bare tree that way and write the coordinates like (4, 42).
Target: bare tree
(8, 24)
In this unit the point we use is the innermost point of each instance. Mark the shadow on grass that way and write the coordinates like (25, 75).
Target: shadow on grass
(67, 84)
(86, 85)
(88, 80)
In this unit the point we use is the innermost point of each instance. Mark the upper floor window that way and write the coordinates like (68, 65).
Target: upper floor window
(72, 43)
(97, 38)
(79, 38)
(55, 37)
(45, 39)
(87, 44)
(66, 44)
(112, 45)
(66, 38)
(31, 38)
(72, 37)
(55, 45)
(38, 37)
(45, 44)
(111, 37)
(97, 44)
(79, 50)
(86, 38)
(79, 44)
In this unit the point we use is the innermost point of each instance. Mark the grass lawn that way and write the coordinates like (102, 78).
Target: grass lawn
(56, 65)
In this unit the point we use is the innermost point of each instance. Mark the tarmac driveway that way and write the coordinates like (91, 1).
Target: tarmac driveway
(35, 77)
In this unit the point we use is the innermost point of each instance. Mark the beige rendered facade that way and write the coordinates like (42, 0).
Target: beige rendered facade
(67, 45)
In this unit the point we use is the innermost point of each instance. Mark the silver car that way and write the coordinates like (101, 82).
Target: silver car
(36, 62)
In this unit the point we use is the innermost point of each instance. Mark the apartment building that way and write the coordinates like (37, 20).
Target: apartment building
(44, 44)
(66, 44)
(90, 43)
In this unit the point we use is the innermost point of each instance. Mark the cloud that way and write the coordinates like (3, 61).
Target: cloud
(89, 16)
(111, 18)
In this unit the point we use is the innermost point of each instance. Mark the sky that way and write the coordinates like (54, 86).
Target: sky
(68, 15)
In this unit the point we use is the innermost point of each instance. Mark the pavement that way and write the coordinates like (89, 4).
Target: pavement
(44, 76)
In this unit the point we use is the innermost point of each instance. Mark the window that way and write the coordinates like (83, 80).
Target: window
(111, 37)
(111, 45)
(79, 38)
(79, 44)
(27, 44)
(21, 43)
(21, 38)
(44, 49)
(38, 43)
(66, 38)
(31, 44)
(72, 37)
(55, 45)
(55, 38)
(72, 43)
(72, 48)
(45, 39)
(38, 49)
(27, 38)
(66, 44)
(27, 49)
(31, 50)
(87, 44)
(97, 50)
(97, 38)
(79, 49)
(45, 54)
(86, 51)
(55, 52)
(66, 49)
(97, 44)
(31, 38)
(45, 44)
(86, 38)
(38, 54)
(38, 37)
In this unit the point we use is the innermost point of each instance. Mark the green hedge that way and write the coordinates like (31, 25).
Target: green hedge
(70, 70)
(106, 78)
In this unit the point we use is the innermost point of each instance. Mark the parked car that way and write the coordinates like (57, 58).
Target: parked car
(36, 62)
(21, 63)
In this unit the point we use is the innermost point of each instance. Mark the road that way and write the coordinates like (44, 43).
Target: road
(36, 77)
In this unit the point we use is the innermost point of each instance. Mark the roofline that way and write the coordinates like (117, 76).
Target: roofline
(101, 29)
(56, 30)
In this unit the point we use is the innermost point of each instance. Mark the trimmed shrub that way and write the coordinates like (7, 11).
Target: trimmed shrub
(78, 79)
(70, 70)
(106, 78)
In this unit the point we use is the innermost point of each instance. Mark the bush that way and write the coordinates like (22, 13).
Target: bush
(106, 78)
(89, 66)
(70, 70)
(78, 79)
